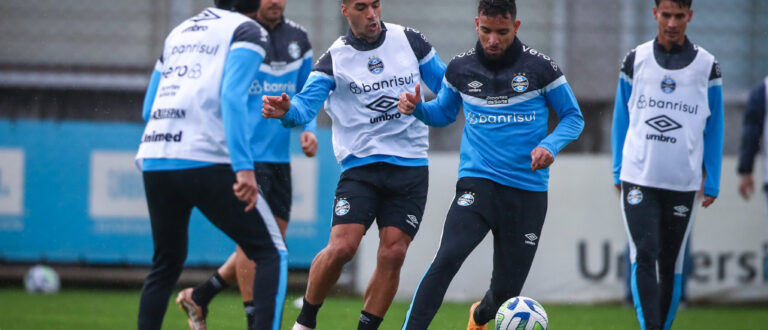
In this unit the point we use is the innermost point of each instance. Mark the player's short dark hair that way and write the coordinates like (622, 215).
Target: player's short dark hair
(497, 8)
(243, 6)
(681, 3)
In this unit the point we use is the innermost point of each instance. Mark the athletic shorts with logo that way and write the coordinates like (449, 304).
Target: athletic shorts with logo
(392, 195)
(274, 181)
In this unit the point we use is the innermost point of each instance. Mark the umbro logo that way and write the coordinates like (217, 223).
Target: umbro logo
(663, 124)
(383, 104)
(412, 220)
(530, 238)
(206, 15)
(681, 211)
(474, 87)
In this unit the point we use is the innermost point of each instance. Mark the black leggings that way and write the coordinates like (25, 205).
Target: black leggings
(171, 195)
(658, 223)
(514, 216)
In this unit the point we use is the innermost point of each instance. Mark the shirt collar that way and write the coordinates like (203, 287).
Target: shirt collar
(687, 45)
(362, 44)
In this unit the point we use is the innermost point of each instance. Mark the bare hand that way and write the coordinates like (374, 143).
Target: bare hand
(245, 188)
(308, 143)
(746, 186)
(275, 106)
(708, 200)
(541, 158)
(618, 187)
(408, 101)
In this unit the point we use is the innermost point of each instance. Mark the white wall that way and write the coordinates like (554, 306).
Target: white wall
(729, 240)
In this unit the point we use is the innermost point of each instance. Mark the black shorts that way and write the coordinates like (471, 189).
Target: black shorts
(393, 195)
(274, 180)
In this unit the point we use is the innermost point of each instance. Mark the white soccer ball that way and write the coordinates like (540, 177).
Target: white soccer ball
(521, 313)
(43, 279)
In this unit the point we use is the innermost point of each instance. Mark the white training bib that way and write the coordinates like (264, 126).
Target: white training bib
(668, 110)
(185, 122)
(363, 106)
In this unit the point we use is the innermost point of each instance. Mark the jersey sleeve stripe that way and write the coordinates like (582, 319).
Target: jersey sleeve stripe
(625, 77)
(308, 55)
(449, 85)
(248, 45)
(320, 74)
(427, 58)
(159, 66)
(555, 84)
(716, 82)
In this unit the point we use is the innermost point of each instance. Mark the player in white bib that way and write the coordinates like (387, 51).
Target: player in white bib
(194, 153)
(383, 154)
(667, 138)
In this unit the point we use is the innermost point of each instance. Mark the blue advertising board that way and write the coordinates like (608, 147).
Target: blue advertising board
(70, 192)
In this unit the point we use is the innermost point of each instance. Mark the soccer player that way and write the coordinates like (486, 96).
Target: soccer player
(667, 137)
(504, 87)
(382, 153)
(285, 69)
(754, 131)
(194, 153)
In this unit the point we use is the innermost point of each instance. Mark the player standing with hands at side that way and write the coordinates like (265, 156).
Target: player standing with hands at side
(194, 153)
(505, 88)
(383, 154)
(285, 70)
(667, 137)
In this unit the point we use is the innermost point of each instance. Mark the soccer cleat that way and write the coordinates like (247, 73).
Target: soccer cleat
(472, 325)
(297, 326)
(195, 314)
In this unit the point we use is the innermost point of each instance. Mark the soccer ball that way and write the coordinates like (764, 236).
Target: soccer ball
(43, 279)
(521, 313)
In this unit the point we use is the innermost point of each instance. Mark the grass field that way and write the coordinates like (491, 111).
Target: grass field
(108, 309)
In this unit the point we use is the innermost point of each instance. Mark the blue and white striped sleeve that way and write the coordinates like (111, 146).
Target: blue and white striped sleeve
(441, 111)
(246, 53)
(306, 104)
(620, 124)
(570, 120)
(149, 97)
(714, 132)
(306, 68)
(431, 67)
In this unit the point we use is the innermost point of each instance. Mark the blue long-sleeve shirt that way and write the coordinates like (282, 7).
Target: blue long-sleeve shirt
(285, 70)
(505, 106)
(676, 58)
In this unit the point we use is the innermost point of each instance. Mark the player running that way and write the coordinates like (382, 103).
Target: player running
(284, 70)
(382, 153)
(667, 137)
(504, 87)
(194, 153)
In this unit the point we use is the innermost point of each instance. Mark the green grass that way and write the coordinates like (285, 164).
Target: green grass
(110, 309)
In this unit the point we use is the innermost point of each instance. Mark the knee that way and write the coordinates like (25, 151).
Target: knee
(341, 251)
(393, 255)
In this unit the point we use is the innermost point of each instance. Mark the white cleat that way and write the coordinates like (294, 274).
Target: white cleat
(195, 317)
(297, 326)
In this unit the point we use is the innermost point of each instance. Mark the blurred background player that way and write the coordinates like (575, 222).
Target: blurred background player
(667, 137)
(195, 152)
(284, 70)
(753, 133)
(505, 88)
(383, 155)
